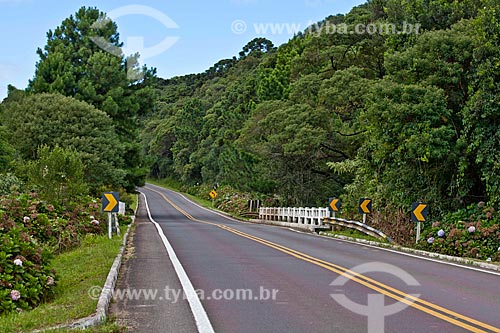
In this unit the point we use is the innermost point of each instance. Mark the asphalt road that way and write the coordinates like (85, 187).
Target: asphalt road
(257, 278)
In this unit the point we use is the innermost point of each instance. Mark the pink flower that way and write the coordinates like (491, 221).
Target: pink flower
(15, 295)
(50, 281)
(471, 229)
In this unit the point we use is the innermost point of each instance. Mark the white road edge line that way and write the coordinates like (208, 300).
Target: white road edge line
(439, 261)
(200, 315)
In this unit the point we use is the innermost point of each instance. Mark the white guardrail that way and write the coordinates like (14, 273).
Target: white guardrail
(299, 215)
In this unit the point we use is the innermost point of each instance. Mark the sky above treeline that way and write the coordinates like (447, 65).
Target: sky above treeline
(176, 37)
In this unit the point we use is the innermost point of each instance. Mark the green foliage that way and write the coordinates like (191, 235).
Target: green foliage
(31, 231)
(9, 183)
(481, 116)
(25, 277)
(73, 64)
(472, 232)
(414, 150)
(57, 174)
(7, 152)
(397, 117)
(55, 120)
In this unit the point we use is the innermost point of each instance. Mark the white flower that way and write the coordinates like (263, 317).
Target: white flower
(430, 240)
(50, 281)
(471, 229)
(441, 233)
(15, 295)
(18, 262)
(26, 219)
(94, 222)
(92, 217)
(489, 259)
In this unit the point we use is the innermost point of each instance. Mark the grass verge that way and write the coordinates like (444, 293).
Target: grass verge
(77, 270)
(135, 203)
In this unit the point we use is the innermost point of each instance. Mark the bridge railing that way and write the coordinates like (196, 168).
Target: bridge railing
(299, 215)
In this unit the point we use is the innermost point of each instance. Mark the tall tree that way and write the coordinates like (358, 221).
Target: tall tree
(73, 64)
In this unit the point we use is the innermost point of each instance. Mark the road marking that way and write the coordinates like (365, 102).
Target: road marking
(415, 302)
(459, 265)
(413, 255)
(200, 315)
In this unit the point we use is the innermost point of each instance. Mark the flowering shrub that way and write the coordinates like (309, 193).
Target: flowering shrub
(231, 200)
(473, 232)
(24, 270)
(31, 231)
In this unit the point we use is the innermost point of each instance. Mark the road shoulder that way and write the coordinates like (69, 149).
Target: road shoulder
(146, 269)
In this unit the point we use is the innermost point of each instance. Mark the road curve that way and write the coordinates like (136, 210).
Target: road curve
(301, 282)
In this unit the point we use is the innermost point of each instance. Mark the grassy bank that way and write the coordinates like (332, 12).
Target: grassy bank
(78, 271)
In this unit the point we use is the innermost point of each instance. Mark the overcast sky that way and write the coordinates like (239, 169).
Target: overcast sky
(177, 37)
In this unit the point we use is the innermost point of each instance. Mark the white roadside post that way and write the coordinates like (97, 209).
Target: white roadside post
(110, 223)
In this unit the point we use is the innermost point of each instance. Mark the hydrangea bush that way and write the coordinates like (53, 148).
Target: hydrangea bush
(31, 231)
(473, 232)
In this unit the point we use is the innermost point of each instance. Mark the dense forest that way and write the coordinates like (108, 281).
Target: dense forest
(396, 116)
(406, 111)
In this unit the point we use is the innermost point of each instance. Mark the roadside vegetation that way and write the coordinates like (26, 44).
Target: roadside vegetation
(395, 117)
(78, 270)
(62, 143)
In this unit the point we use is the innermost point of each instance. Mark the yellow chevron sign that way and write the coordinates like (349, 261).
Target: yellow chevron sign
(419, 211)
(212, 194)
(110, 202)
(334, 204)
(365, 206)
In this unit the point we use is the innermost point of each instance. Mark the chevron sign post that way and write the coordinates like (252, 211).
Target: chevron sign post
(365, 207)
(110, 205)
(419, 211)
(334, 205)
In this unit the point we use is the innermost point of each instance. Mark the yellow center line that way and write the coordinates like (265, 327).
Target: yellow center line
(391, 292)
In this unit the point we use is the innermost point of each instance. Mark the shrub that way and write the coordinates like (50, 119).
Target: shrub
(473, 232)
(57, 174)
(25, 277)
(31, 231)
(9, 183)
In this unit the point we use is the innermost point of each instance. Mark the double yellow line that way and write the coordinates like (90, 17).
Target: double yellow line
(400, 296)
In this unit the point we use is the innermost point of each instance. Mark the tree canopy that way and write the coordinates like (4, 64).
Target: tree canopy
(72, 63)
(54, 120)
(397, 116)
